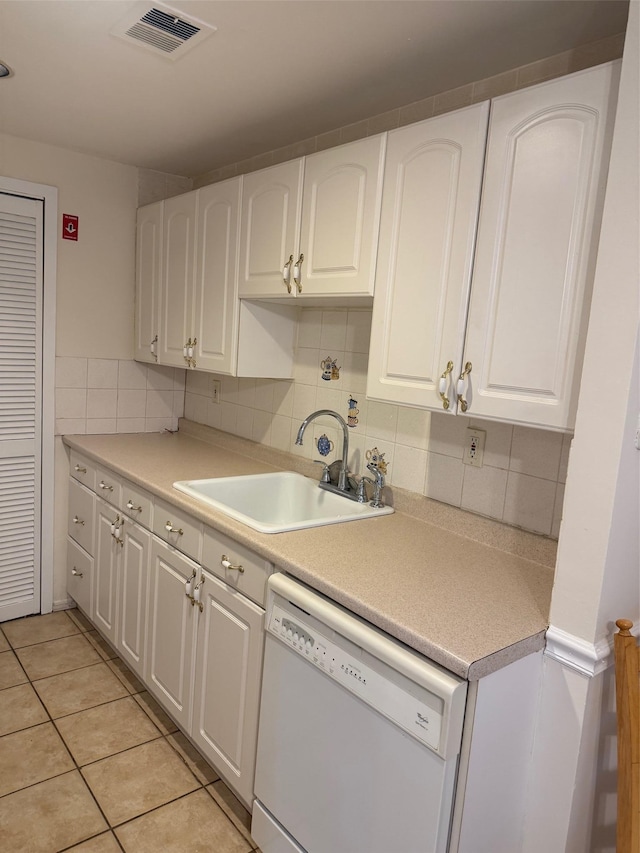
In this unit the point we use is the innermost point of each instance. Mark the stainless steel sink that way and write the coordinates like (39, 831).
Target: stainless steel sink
(275, 503)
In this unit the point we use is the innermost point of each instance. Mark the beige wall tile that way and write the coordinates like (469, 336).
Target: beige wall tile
(499, 84)
(385, 121)
(530, 502)
(453, 99)
(418, 111)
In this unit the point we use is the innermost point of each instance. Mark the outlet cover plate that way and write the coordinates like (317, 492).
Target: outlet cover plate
(474, 447)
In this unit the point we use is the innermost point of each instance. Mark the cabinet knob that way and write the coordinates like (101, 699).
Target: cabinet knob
(464, 405)
(442, 385)
(226, 564)
(286, 274)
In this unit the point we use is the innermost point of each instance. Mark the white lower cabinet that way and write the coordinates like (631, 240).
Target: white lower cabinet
(227, 681)
(194, 636)
(105, 584)
(170, 635)
(132, 595)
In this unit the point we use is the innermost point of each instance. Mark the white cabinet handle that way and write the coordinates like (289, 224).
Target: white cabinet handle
(104, 486)
(132, 507)
(152, 347)
(76, 573)
(197, 593)
(171, 529)
(443, 383)
(80, 469)
(464, 405)
(77, 520)
(297, 272)
(286, 274)
(226, 564)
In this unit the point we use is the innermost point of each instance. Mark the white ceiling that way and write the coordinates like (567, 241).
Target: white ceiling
(275, 72)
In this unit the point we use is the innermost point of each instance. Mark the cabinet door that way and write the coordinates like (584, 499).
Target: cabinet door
(148, 281)
(215, 309)
(340, 218)
(105, 586)
(430, 205)
(269, 234)
(227, 684)
(170, 632)
(179, 238)
(134, 572)
(537, 241)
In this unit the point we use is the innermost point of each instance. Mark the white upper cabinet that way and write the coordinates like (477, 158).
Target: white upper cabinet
(545, 175)
(526, 310)
(148, 281)
(314, 235)
(214, 314)
(427, 231)
(269, 235)
(198, 305)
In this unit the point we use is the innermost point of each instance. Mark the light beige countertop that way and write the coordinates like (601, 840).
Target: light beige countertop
(453, 586)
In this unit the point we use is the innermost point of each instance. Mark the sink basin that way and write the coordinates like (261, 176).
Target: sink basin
(275, 503)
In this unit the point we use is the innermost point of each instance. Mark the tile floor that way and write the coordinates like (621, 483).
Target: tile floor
(89, 761)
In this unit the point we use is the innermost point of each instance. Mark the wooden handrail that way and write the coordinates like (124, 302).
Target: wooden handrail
(627, 667)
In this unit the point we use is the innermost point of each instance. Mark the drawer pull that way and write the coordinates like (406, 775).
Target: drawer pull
(132, 507)
(188, 586)
(171, 529)
(77, 520)
(227, 565)
(197, 594)
(76, 573)
(80, 469)
(104, 486)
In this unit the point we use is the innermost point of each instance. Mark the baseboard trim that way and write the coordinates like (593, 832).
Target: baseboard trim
(64, 604)
(589, 659)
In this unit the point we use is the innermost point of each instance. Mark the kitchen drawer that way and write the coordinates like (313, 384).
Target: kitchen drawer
(177, 528)
(108, 486)
(137, 504)
(80, 523)
(82, 470)
(236, 565)
(79, 575)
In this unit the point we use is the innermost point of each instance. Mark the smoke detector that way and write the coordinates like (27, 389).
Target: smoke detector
(162, 30)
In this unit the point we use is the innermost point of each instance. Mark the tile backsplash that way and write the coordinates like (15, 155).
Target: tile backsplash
(524, 471)
(106, 395)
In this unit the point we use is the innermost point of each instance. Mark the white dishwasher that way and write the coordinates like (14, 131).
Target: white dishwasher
(359, 736)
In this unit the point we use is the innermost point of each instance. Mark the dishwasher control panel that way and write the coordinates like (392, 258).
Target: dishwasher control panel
(412, 707)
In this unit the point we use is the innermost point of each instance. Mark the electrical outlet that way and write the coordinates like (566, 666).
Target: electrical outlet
(474, 447)
(215, 390)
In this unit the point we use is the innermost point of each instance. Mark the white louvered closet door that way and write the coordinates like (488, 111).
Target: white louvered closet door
(20, 404)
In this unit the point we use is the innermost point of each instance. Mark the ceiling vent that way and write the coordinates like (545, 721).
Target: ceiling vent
(163, 30)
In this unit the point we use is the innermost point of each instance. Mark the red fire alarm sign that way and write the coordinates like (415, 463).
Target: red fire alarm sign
(69, 227)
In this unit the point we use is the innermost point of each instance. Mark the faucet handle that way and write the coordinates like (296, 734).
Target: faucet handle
(325, 478)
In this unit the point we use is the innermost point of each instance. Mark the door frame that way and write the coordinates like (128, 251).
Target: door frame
(49, 196)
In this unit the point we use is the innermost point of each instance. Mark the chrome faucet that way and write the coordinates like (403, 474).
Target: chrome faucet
(343, 477)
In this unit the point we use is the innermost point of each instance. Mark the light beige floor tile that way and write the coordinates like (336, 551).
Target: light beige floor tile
(80, 619)
(80, 689)
(31, 756)
(57, 656)
(4, 645)
(201, 769)
(105, 843)
(133, 782)
(49, 816)
(39, 629)
(232, 807)
(192, 823)
(20, 708)
(125, 675)
(103, 648)
(10, 670)
(149, 705)
(106, 730)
